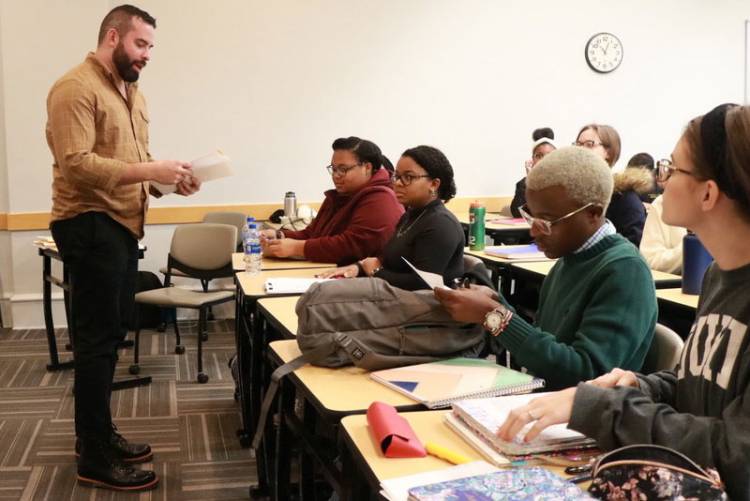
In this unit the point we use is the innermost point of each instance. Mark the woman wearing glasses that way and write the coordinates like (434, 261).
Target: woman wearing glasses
(428, 234)
(356, 218)
(702, 408)
(626, 210)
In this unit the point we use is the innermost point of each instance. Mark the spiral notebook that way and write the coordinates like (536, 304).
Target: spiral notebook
(437, 384)
(483, 417)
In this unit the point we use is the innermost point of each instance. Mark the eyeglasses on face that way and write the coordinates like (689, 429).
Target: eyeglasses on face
(665, 168)
(542, 225)
(407, 178)
(341, 170)
(590, 144)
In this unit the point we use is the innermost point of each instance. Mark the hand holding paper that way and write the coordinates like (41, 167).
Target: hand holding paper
(206, 168)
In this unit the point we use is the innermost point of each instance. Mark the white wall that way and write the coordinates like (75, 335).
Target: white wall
(273, 83)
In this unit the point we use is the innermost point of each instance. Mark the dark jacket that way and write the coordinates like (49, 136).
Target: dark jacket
(352, 227)
(519, 199)
(626, 211)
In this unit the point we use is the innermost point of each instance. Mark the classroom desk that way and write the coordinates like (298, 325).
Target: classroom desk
(677, 310)
(324, 396)
(536, 271)
(500, 232)
(48, 253)
(274, 263)
(500, 267)
(366, 466)
(250, 345)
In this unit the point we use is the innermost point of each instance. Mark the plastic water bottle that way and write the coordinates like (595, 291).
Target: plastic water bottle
(251, 245)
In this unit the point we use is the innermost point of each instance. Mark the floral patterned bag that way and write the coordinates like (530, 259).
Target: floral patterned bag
(652, 472)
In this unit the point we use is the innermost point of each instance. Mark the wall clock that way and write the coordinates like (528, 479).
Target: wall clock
(604, 52)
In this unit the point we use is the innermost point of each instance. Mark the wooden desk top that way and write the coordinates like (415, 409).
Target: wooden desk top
(346, 389)
(252, 286)
(273, 263)
(678, 297)
(282, 309)
(429, 427)
(543, 268)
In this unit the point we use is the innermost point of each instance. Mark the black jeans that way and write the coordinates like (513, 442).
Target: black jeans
(102, 259)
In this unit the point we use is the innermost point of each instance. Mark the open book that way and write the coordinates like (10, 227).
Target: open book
(206, 168)
(483, 417)
(437, 384)
(519, 252)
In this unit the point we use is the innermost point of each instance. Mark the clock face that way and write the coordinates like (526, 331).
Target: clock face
(604, 52)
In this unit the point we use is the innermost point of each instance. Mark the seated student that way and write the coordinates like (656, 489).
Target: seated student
(661, 244)
(428, 234)
(645, 161)
(357, 217)
(597, 306)
(702, 408)
(625, 210)
(543, 143)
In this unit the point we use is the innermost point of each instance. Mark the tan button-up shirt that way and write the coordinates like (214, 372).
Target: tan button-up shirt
(93, 132)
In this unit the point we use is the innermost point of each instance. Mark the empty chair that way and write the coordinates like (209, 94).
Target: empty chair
(664, 352)
(200, 250)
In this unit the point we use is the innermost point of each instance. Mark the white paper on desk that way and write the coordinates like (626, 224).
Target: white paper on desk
(288, 285)
(397, 489)
(207, 168)
(433, 280)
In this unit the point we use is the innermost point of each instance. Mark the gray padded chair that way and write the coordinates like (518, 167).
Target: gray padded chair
(665, 350)
(202, 251)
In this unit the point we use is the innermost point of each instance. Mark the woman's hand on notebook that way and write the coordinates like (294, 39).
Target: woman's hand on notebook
(545, 411)
(466, 305)
(617, 377)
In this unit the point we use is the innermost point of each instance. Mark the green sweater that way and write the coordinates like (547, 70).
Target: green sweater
(597, 312)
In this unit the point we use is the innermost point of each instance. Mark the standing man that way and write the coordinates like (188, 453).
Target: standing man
(97, 130)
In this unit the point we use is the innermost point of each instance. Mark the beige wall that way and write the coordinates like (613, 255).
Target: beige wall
(273, 83)
(6, 262)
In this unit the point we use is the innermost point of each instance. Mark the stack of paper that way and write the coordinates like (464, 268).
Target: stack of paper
(206, 168)
(519, 252)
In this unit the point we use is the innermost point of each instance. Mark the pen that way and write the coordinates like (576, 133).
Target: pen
(444, 453)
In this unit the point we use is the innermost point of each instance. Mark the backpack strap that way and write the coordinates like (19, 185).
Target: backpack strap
(313, 355)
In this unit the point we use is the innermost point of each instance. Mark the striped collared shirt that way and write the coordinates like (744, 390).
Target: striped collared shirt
(604, 230)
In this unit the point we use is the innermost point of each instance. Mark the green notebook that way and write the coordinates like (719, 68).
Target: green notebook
(437, 384)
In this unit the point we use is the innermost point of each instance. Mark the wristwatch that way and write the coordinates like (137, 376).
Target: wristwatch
(497, 320)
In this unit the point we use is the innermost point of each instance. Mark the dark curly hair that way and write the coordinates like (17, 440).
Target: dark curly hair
(542, 132)
(365, 151)
(437, 166)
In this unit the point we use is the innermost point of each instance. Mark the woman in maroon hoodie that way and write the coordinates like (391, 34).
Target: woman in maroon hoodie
(356, 219)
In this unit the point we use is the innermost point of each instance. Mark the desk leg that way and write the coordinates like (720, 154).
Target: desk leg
(49, 325)
(242, 344)
(306, 461)
(283, 444)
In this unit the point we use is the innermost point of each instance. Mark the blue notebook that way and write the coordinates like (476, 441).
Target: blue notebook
(518, 484)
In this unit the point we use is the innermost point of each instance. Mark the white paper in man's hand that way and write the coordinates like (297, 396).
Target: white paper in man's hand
(207, 168)
(433, 280)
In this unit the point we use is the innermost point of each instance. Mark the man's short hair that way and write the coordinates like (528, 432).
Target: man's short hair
(585, 176)
(121, 19)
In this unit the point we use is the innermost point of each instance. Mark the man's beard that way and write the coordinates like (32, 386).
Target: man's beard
(124, 64)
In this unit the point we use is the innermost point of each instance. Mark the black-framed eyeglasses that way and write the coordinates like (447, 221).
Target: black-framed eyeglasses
(590, 144)
(542, 225)
(407, 178)
(341, 170)
(665, 168)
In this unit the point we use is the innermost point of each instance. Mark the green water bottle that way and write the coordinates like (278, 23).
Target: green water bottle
(476, 226)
